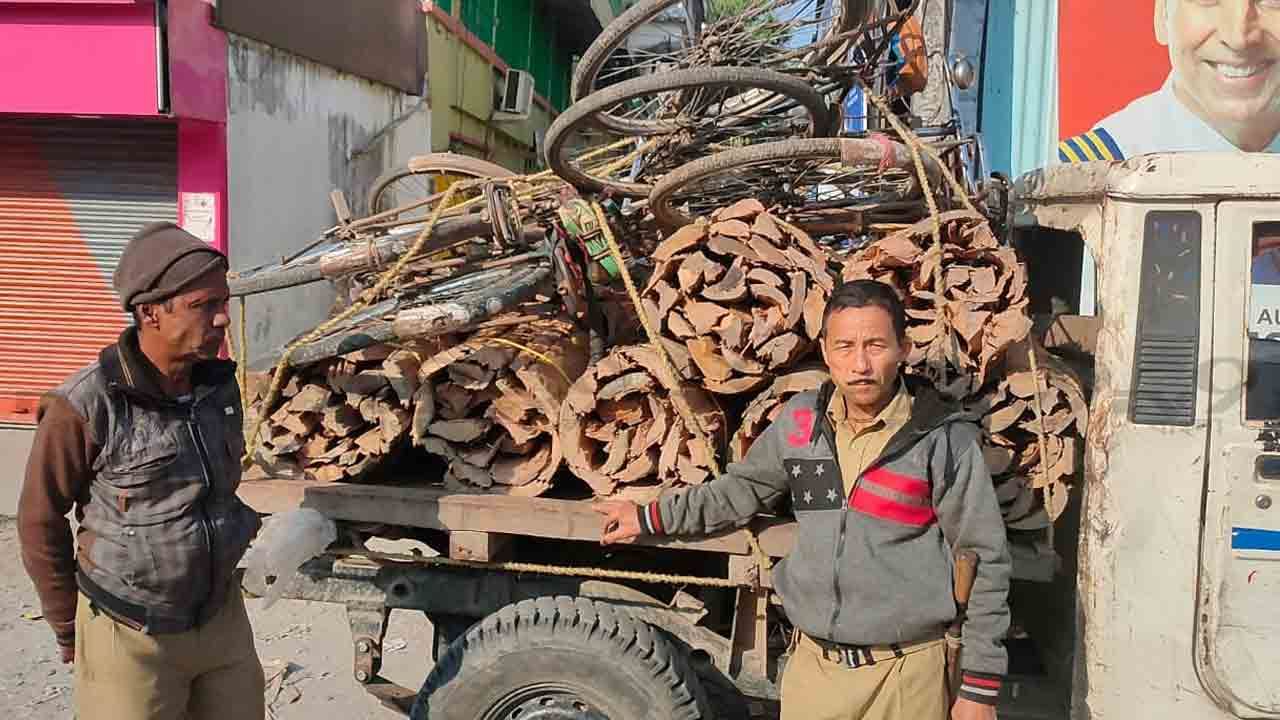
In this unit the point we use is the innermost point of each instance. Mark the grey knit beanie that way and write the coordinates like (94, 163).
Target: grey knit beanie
(161, 260)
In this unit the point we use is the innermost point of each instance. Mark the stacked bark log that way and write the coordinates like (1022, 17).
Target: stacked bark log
(1025, 406)
(965, 306)
(339, 420)
(490, 405)
(623, 433)
(737, 300)
(743, 294)
(968, 325)
(766, 406)
(487, 402)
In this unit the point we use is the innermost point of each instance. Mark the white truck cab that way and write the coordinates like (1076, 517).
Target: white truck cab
(1177, 569)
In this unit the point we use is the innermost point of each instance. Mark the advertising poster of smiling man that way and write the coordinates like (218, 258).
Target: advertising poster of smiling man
(1143, 76)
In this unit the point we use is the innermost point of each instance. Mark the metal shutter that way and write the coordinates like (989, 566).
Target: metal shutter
(72, 192)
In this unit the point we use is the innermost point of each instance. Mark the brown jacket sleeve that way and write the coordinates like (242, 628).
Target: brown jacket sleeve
(59, 471)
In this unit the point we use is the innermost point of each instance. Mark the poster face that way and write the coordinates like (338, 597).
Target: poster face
(1144, 76)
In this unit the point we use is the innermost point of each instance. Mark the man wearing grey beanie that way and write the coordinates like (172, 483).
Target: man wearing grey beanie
(145, 446)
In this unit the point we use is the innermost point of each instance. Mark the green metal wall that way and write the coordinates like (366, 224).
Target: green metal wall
(525, 37)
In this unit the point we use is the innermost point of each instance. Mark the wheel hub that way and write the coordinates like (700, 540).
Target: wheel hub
(554, 707)
(544, 702)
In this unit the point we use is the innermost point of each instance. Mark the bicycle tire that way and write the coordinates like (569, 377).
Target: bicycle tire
(443, 162)
(472, 297)
(862, 151)
(641, 14)
(585, 112)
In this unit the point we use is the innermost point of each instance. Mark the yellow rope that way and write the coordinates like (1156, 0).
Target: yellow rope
(366, 298)
(531, 351)
(916, 146)
(1040, 436)
(540, 569)
(913, 141)
(671, 379)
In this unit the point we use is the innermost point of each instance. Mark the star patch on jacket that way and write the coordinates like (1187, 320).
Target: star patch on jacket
(815, 484)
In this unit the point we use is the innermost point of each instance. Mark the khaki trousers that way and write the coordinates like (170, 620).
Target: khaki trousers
(910, 687)
(211, 672)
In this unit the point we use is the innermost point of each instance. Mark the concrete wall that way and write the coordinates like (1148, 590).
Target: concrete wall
(295, 131)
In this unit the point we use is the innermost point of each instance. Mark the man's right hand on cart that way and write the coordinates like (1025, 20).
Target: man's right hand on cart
(621, 521)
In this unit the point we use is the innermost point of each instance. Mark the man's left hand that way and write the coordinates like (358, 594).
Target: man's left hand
(970, 710)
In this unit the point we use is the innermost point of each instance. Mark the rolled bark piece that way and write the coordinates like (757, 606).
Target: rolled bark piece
(742, 293)
(766, 406)
(495, 405)
(1031, 487)
(622, 433)
(965, 308)
(342, 418)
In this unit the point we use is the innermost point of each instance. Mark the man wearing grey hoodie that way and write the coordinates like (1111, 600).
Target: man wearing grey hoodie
(887, 481)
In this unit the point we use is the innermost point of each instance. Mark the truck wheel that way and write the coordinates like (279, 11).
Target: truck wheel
(561, 658)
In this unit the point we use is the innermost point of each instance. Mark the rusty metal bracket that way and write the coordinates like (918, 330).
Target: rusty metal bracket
(368, 628)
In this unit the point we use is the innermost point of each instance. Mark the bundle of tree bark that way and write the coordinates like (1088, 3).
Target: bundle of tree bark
(965, 305)
(487, 401)
(490, 404)
(765, 407)
(339, 419)
(742, 293)
(623, 434)
(1034, 423)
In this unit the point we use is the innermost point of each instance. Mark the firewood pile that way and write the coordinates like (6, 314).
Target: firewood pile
(514, 405)
(339, 419)
(623, 434)
(965, 307)
(767, 405)
(1019, 409)
(490, 404)
(743, 293)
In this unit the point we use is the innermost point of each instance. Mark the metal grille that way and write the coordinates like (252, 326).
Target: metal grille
(1167, 352)
(1165, 393)
(72, 192)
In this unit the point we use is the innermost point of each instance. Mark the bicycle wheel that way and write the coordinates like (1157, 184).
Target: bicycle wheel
(425, 175)
(805, 176)
(686, 113)
(443, 307)
(664, 35)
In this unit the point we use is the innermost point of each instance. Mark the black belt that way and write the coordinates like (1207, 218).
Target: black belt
(133, 615)
(856, 656)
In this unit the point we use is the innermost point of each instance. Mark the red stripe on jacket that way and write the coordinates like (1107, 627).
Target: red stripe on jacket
(868, 502)
(904, 484)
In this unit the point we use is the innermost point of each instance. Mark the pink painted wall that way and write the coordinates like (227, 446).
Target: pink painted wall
(98, 57)
(197, 61)
(66, 58)
(202, 171)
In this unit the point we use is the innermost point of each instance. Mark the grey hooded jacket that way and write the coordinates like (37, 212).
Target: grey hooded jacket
(874, 567)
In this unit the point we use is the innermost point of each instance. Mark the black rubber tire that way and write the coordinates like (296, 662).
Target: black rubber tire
(586, 111)
(620, 667)
(639, 15)
(660, 200)
(431, 163)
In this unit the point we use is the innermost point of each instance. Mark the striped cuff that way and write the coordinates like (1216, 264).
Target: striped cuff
(651, 519)
(980, 687)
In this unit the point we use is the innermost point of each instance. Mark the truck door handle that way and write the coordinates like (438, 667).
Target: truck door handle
(1268, 467)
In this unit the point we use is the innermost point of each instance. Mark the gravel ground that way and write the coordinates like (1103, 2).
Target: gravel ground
(308, 642)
